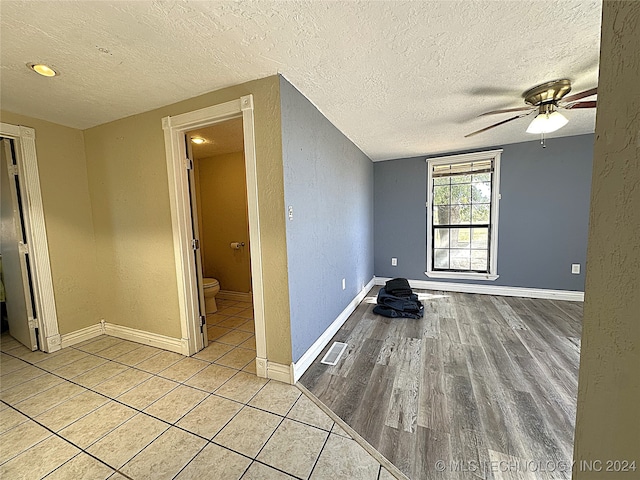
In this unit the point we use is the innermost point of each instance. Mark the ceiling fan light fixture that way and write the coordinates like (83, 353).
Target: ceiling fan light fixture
(42, 69)
(547, 122)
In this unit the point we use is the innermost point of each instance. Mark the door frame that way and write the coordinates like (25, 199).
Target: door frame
(24, 139)
(175, 128)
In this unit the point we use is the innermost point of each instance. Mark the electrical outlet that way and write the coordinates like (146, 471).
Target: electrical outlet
(394, 262)
(290, 212)
(344, 283)
(575, 268)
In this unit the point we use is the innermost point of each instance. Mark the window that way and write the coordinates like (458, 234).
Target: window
(462, 216)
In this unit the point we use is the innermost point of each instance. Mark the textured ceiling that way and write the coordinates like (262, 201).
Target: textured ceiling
(398, 78)
(221, 138)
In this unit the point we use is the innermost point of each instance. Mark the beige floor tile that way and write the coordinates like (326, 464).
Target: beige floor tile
(82, 466)
(232, 322)
(147, 392)
(258, 471)
(68, 412)
(10, 418)
(385, 475)
(237, 358)
(138, 355)
(65, 357)
(98, 375)
(308, 412)
(7, 342)
(276, 397)
(210, 378)
(246, 313)
(20, 438)
(249, 344)
(42, 402)
(344, 458)
(215, 332)
(10, 364)
(210, 416)
(248, 431)
(338, 430)
(27, 355)
(216, 318)
(98, 344)
(119, 349)
(214, 351)
(123, 443)
(235, 337)
(17, 377)
(122, 382)
(232, 310)
(97, 424)
(215, 462)
(294, 448)
(242, 387)
(250, 368)
(184, 369)
(175, 404)
(159, 362)
(248, 326)
(29, 389)
(165, 457)
(39, 460)
(79, 367)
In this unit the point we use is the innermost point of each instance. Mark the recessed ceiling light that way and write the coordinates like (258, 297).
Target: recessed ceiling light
(198, 140)
(42, 69)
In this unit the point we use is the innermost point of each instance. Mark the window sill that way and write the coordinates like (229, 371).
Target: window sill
(462, 275)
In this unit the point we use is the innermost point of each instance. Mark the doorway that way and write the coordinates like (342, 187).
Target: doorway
(181, 168)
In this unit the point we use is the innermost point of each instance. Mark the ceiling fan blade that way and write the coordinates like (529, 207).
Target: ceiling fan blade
(496, 124)
(578, 96)
(506, 110)
(589, 104)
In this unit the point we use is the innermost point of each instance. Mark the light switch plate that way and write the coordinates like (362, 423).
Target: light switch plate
(575, 268)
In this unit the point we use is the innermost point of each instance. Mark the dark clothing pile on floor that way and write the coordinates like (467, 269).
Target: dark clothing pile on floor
(397, 300)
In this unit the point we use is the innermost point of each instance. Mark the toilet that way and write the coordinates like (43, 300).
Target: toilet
(211, 289)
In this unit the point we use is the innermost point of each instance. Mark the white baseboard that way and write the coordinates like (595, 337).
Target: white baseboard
(81, 335)
(237, 296)
(569, 295)
(310, 355)
(280, 372)
(177, 345)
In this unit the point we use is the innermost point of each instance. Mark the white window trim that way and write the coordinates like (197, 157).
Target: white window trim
(495, 198)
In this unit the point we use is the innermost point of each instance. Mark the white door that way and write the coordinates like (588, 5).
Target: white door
(204, 342)
(15, 259)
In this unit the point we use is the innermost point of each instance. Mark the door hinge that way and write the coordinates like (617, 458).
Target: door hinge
(23, 248)
(203, 322)
(188, 163)
(13, 169)
(33, 323)
(195, 244)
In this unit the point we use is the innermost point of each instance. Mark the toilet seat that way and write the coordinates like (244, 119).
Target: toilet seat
(210, 282)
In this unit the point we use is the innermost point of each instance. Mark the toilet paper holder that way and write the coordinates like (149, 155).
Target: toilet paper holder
(236, 245)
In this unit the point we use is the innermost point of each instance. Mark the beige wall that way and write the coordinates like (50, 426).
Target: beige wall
(608, 415)
(222, 203)
(128, 184)
(65, 198)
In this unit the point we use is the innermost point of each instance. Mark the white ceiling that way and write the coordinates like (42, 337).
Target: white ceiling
(398, 78)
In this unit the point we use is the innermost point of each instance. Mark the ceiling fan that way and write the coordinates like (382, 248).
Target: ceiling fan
(546, 99)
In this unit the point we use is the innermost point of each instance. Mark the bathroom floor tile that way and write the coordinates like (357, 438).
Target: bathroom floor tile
(82, 466)
(248, 326)
(27, 355)
(232, 322)
(214, 351)
(235, 337)
(216, 318)
(249, 344)
(251, 368)
(242, 387)
(294, 448)
(10, 364)
(123, 443)
(138, 355)
(184, 369)
(176, 403)
(65, 357)
(338, 430)
(248, 431)
(215, 462)
(79, 367)
(230, 310)
(97, 424)
(276, 397)
(246, 313)
(159, 362)
(210, 416)
(98, 344)
(308, 412)
(68, 412)
(39, 460)
(143, 395)
(17, 377)
(42, 402)
(98, 375)
(165, 457)
(118, 349)
(344, 458)
(237, 358)
(210, 378)
(258, 471)
(122, 382)
(29, 389)
(21, 438)
(10, 418)
(215, 332)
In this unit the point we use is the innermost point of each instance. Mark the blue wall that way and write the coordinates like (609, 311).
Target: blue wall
(329, 183)
(544, 215)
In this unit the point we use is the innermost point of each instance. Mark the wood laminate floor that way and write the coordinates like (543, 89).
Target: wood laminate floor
(485, 384)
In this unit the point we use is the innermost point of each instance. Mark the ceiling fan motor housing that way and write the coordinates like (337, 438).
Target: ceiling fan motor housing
(547, 93)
